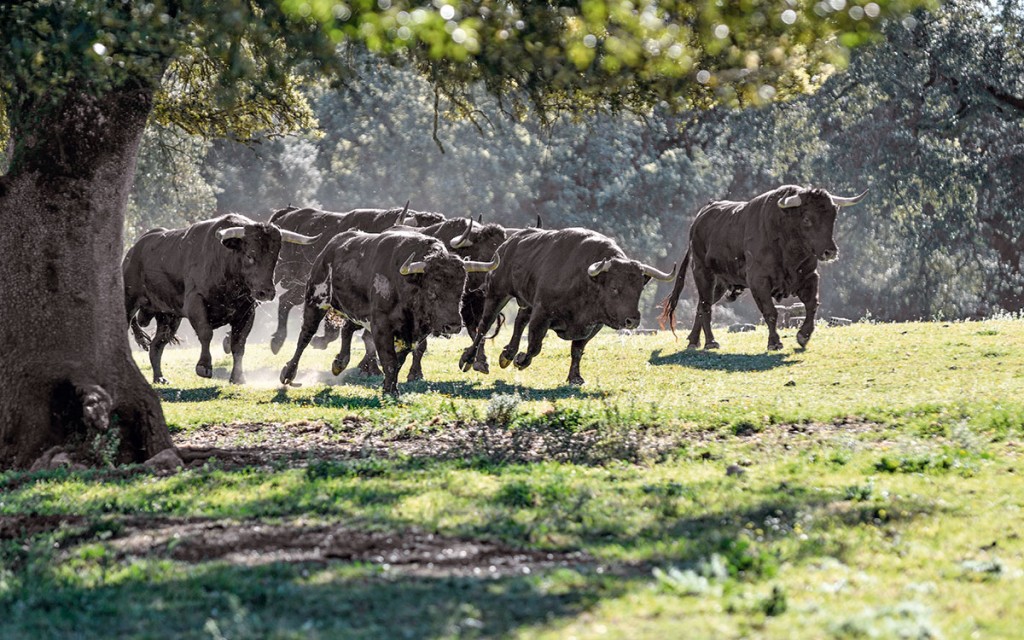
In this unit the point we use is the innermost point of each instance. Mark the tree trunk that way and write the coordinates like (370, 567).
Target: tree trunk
(67, 377)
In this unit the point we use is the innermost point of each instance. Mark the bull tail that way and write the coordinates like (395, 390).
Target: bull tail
(497, 326)
(668, 305)
(141, 337)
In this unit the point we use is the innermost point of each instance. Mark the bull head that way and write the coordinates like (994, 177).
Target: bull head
(481, 267)
(794, 200)
(463, 241)
(286, 236)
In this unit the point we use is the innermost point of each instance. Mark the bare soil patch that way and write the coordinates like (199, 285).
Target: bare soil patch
(407, 552)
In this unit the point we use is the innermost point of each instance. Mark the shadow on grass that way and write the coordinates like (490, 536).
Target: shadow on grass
(478, 390)
(328, 397)
(200, 394)
(717, 361)
(282, 600)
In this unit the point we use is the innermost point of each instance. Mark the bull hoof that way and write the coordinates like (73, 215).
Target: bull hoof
(693, 346)
(576, 381)
(774, 346)
(369, 368)
(160, 380)
(711, 345)
(802, 340)
(504, 360)
(288, 373)
(414, 375)
(339, 365)
(276, 342)
(226, 343)
(203, 371)
(466, 360)
(522, 361)
(481, 367)
(239, 379)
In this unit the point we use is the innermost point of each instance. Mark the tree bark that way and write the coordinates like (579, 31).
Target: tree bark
(67, 377)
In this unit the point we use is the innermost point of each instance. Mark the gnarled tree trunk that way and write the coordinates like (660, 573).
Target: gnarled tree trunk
(67, 377)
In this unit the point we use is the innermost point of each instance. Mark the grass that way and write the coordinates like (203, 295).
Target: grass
(872, 490)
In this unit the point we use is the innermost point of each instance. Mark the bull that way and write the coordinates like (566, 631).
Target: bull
(213, 273)
(402, 285)
(293, 269)
(771, 245)
(572, 281)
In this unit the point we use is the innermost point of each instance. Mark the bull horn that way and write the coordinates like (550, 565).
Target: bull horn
(540, 223)
(297, 238)
(401, 216)
(790, 201)
(230, 232)
(411, 267)
(463, 241)
(846, 202)
(599, 267)
(659, 275)
(480, 218)
(481, 267)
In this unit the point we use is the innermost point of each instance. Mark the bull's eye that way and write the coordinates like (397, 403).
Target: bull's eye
(807, 222)
(249, 259)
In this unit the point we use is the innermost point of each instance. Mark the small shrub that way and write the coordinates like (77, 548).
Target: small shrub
(503, 408)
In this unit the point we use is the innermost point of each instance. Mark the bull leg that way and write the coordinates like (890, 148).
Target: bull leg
(808, 295)
(763, 298)
(416, 369)
(512, 348)
(368, 365)
(331, 332)
(239, 334)
(492, 307)
(576, 354)
(289, 299)
(196, 313)
(166, 327)
(345, 353)
(705, 285)
(312, 315)
(716, 294)
(384, 341)
(539, 323)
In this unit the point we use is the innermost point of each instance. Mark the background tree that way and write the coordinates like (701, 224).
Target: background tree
(80, 79)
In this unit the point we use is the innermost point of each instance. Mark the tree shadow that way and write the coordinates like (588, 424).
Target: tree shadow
(717, 361)
(356, 603)
(200, 394)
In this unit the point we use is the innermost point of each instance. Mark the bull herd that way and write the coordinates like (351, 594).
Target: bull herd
(404, 275)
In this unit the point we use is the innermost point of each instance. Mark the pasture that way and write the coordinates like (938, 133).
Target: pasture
(866, 487)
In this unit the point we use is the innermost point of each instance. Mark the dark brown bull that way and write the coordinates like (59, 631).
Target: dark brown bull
(402, 285)
(295, 263)
(473, 242)
(213, 273)
(771, 245)
(573, 281)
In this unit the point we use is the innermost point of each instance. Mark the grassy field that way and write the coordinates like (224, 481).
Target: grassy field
(868, 487)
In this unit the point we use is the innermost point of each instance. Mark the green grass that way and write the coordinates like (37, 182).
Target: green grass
(878, 495)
